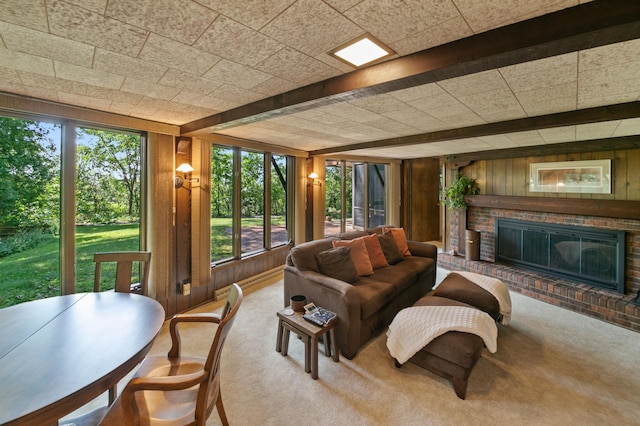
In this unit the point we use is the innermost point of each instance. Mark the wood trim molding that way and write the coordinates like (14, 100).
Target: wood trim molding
(619, 209)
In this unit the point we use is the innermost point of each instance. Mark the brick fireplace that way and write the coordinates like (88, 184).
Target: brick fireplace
(607, 305)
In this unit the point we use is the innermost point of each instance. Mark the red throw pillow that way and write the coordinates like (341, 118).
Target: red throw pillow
(401, 239)
(358, 254)
(376, 255)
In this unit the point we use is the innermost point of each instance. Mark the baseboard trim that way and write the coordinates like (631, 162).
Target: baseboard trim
(221, 293)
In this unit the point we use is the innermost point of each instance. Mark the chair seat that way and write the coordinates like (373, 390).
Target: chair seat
(164, 408)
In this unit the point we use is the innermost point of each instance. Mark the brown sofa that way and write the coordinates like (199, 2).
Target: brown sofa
(367, 306)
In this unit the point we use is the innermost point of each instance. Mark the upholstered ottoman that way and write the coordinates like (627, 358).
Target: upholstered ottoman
(451, 355)
(488, 294)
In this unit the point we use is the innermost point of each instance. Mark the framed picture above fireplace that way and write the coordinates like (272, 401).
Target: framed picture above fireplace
(588, 176)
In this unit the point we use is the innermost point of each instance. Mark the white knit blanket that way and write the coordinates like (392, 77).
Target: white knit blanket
(415, 327)
(494, 286)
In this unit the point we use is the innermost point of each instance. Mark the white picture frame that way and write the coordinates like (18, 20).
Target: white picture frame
(586, 176)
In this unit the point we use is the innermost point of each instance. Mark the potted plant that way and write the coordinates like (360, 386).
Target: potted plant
(461, 186)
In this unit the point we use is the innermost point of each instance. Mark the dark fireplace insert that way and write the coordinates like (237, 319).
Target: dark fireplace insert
(589, 255)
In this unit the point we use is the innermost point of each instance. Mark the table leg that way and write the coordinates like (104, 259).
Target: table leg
(314, 357)
(307, 354)
(279, 338)
(327, 344)
(334, 345)
(285, 341)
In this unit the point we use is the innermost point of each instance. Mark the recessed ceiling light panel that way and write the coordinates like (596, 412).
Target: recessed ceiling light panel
(362, 51)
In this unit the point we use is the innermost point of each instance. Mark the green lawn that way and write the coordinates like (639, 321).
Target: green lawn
(35, 273)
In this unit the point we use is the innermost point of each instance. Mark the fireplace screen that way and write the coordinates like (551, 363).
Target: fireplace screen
(591, 255)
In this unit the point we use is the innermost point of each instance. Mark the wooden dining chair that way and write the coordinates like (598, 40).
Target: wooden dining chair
(178, 389)
(124, 270)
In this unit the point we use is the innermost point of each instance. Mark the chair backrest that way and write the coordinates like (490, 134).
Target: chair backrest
(124, 270)
(208, 394)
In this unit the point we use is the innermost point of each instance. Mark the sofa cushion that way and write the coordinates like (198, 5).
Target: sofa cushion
(373, 295)
(401, 239)
(423, 266)
(397, 275)
(376, 255)
(359, 255)
(337, 263)
(390, 248)
(303, 257)
(457, 287)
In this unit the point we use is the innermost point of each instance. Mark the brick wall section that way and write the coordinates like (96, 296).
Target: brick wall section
(590, 300)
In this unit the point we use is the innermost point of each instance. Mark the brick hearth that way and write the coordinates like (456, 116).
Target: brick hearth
(610, 306)
(583, 298)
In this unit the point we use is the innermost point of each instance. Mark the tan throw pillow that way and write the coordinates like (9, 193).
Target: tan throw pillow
(358, 254)
(337, 263)
(390, 248)
(401, 239)
(376, 255)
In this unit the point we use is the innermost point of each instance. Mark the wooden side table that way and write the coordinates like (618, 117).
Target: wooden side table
(309, 333)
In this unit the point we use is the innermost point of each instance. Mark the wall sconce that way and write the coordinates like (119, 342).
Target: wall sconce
(183, 168)
(312, 179)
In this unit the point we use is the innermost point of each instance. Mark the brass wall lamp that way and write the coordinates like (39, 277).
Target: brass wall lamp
(185, 169)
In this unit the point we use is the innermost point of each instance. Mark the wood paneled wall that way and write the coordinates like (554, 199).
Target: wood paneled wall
(511, 176)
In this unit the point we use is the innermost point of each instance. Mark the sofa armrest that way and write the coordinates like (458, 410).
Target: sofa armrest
(332, 294)
(418, 248)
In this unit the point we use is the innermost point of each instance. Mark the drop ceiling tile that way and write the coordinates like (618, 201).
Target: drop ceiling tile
(433, 12)
(149, 89)
(534, 107)
(351, 111)
(596, 130)
(38, 93)
(312, 27)
(289, 64)
(488, 81)
(239, 43)
(127, 66)
(236, 74)
(342, 5)
(25, 62)
(541, 73)
(608, 93)
(254, 13)
(606, 56)
(89, 27)
(235, 95)
(113, 95)
(200, 100)
(528, 138)
(628, 127)
(628, 72)
(380, 104)
(492, 102)
(193, 83)
(418, 119)
(163, 51)
(487, 14)
(180, 20)
(87, 75)
(395, 127)
(445, 32)
(418, 92)
(9, 76)
(84, 101)
(52, 83)
(28, 13)
(390, 20)
(46, 45)
(97, 6)
(274, 86)
(559, 134)
(498, 142)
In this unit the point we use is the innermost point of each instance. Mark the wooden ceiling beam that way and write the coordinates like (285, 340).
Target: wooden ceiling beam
(576, 28)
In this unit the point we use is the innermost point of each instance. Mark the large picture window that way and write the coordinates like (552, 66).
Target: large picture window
(247, 187)
(68, 192)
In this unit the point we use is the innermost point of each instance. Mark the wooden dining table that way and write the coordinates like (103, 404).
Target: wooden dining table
(57, 354)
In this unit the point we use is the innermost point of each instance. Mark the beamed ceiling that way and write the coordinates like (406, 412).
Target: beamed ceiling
(469, 79)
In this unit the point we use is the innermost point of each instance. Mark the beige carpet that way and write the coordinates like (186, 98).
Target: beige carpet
(552, 367)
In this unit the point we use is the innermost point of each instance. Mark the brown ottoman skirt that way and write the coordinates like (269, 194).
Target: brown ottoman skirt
(452, 355)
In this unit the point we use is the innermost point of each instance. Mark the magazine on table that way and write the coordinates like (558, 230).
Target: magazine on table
(318, 315)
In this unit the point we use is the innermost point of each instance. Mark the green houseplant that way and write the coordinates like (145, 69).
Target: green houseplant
(461, 186)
